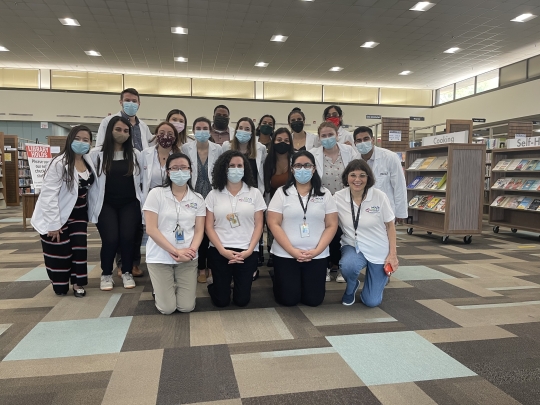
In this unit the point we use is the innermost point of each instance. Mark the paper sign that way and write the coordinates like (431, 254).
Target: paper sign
(44, 125)
(521, 136)
(39, 157)
(7, 157)
(55, 149)
(394, 136)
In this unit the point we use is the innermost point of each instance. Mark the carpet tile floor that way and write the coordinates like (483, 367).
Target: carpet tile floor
(459, 324)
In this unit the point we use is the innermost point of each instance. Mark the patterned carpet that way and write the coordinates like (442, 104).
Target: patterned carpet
(459, 324)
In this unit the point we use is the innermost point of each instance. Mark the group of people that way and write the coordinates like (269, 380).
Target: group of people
(329, 201)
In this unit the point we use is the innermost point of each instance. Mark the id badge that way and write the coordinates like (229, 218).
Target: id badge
(179, 235)
(304, 230)
(357, 247)
(233, 219)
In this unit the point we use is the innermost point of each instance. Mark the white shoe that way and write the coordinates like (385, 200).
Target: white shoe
(127, 278)
(209, 280)
(328, 278)
(106, 283)
(339, 278)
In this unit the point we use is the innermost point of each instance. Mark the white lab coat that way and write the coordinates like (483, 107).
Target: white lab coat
(214, 151)
(96, 193)
(347, 152)
(312, 140)
(56, 202)
(345, 136)
(390, 179)
(146, 135)
(261, 157)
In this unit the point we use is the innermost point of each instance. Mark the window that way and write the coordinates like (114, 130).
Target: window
(86, 81)
(534, 67)
(19, 78)
(445, 94)
(292, 91)
(351, 94)
(416, 97)
(514, 73)
(487, 81)
(465, 88)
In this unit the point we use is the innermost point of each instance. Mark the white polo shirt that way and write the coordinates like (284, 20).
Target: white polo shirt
(162, 201)
(245, 204)
(371, 237)
(293, 216)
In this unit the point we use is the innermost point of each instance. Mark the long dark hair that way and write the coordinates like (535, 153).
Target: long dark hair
(182, 136)
(270, 162)
(68, 157)
(316, 183)
(219, 173)
(127, 146)
(177, 155)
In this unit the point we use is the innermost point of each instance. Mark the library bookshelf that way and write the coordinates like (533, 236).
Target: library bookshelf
(516, 219)
(464, 191)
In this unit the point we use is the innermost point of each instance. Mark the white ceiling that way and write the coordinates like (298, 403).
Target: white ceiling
(227, 37)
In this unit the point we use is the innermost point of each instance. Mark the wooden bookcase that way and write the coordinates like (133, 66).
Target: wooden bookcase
(11, 171)
(395, 124)
(59, 141)
(514, 219)
(458, 126)
(464, 190)
(2, 181)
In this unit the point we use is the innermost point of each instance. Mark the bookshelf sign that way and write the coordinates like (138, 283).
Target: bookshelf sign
(455, 137)
(523, 142)
(39, 157)
(417, 119)
(373, 117)
(478, 120)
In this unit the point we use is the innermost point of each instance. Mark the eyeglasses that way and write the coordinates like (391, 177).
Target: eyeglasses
(176, 168)
(299, 166)
(361, 175)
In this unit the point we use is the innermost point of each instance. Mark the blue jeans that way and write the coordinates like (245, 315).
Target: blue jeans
(351, 263)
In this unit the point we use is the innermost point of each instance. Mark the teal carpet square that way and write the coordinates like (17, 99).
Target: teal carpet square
(40, 273)
(396, 357)
(72, 338)
(412, 273)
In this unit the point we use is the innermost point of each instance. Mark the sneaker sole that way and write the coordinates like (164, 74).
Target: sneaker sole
(106, 289)
(129, 287)
(341, 281)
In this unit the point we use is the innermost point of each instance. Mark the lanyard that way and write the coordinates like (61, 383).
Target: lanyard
(302, 203)
(357, 218)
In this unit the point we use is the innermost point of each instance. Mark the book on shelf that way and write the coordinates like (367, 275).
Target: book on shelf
(513, 164)
(416, 164)
(524, 204)
(535, 205)
(521, 165)
(443, 187)
(424, 182)
(499, 201)
(434, 184)
(536, 185)
(518, 183)
(432, 203)
(426, 163)
(424, 202)
(415, 200)
(440, 207)
(510, 184)
(513, 202)
(442, 182)
(501, 183)
(531, 165)
(503, 164)
(438, 163)
(415, 182)
(537, 167)
(527, 185)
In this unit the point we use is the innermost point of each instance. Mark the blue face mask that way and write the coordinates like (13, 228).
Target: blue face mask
(202, 136)
(235, 174)
(130, 108)
(303, 176)
(364, 147)
(243, 136)
(329, 143)
(180, 177)
(80, 148)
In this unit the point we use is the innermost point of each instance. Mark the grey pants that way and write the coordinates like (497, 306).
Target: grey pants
(175, 286)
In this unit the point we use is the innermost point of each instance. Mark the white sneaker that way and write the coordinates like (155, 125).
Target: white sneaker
(106, 283)
(127, 278)
(328, 278)
(339, 278)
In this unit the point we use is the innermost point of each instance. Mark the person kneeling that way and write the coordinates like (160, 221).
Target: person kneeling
(369, 234)
(303, 218)
(174, 216)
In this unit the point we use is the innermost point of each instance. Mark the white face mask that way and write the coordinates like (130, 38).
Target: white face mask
(364, 147)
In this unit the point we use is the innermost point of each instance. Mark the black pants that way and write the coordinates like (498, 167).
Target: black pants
(223, 273)
(296, 282)
(118, 226)
(203, 262)
(136, 249)
(335, 248)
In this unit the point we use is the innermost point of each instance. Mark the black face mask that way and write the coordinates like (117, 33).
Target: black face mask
(221, 123)
(297, 126)
(282, 147)
(266, 129)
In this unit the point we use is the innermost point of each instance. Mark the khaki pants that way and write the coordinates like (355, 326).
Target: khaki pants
(175, 286)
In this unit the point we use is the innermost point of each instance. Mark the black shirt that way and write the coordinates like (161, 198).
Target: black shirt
(119, 188)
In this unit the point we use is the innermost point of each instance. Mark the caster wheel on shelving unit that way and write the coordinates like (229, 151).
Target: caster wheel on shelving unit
(496, 229)
(409, 231)
(514, 230)
(467, 239)
(445, 239)
(429, 233)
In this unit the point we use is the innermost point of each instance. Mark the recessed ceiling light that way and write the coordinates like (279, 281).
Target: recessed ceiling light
(278, 38)
(336, 69)
(92, 53)
(452, 50)
(405, 73)
(524, 17)
(180, 59)
(3, 49)
(179, 30)
(69, 21)
(422, 6)
(261, 64)
(369, 44)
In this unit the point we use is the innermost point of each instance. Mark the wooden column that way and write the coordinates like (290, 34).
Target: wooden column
(459, 126)
(11, 171)
(57, 141)
(395, 124)
(520, 127)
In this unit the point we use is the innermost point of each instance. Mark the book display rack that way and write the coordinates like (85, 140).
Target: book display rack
(2, 189)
